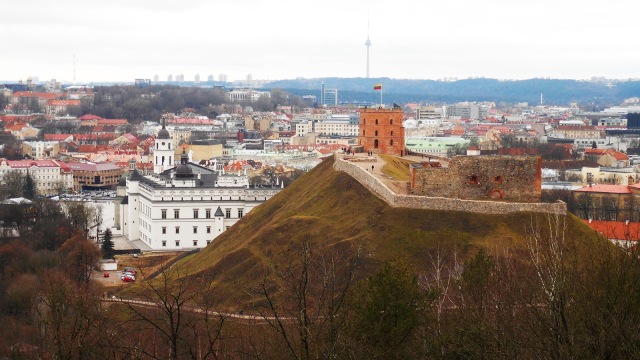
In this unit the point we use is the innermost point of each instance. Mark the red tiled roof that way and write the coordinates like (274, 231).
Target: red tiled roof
(87, 148)
(54, 102)
(619, 156)
(57, 137)
(112, 121)
(16, 127)
(35, 95)
(90, 117)
(93, 167)
(616, 229)
(602, 188)
(85, 136)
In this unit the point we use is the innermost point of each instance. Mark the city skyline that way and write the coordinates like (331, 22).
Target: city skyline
(119, 41)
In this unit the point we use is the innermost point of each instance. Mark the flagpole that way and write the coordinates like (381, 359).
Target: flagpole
(381, 97)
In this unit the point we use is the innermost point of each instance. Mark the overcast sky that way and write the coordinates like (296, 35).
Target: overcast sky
(120, 40)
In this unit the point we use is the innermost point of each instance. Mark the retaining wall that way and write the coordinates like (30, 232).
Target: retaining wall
(441, 203)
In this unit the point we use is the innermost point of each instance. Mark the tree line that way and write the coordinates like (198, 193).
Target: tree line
(559, 296)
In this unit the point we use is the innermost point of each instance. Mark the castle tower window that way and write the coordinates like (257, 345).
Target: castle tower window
(498, 179)
(473, 179)
(391, 142)
(376, 121)
(391, 122)
(375, 143)
(391, 132)
(376, 132)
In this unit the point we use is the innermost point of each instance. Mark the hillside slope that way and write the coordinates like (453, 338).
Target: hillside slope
(333, 211)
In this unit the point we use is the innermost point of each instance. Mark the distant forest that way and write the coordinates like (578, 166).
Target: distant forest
(589, 95)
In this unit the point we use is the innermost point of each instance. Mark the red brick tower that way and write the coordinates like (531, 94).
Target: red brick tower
(381, 131)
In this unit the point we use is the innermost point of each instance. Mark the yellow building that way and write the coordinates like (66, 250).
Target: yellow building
(201, 150)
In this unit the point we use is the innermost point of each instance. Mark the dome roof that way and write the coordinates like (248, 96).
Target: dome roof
(183, 170)
(163, 133)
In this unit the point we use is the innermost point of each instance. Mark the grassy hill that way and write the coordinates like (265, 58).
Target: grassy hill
(334, 212)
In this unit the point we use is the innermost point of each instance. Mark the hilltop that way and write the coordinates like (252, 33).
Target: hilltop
(337, 215)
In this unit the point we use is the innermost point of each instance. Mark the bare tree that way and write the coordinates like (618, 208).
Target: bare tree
(546, 245)
(178, 308)
(304, 298)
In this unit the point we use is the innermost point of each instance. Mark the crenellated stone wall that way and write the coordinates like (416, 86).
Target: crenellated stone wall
(441, 203)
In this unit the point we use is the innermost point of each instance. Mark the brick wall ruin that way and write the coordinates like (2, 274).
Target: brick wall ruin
(510, 178)
(441, 203)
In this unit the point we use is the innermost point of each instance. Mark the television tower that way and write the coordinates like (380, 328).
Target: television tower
(367, 44)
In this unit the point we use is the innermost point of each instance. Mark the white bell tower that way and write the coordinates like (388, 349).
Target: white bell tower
(163, 153)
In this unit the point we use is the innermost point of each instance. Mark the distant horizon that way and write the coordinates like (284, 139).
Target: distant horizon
(373, 79)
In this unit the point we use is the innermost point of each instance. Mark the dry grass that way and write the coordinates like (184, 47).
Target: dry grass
(336, 213)
(397, 168)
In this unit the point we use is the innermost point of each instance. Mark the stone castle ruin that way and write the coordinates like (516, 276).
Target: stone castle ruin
(507, 178)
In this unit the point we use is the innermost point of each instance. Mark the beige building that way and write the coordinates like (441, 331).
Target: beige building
(97, 176)
(258, 123)
(39, 150)
(202, 150)
(50, 176)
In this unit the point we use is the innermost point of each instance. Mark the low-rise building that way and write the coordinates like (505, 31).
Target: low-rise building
(40, 150)
(51, 177)
(95, 176)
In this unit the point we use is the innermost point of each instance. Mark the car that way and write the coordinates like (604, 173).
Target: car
(130, 270)
(127, 278)
(106, 274)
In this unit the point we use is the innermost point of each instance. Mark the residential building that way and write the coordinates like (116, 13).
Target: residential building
(51, 177)
(40, 150)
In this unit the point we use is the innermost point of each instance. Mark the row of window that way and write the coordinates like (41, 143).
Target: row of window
(195, 243)
(376, 133)
(196, 213)
(364, 121)
(195, 229)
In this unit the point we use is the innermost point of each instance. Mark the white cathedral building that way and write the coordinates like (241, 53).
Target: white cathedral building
(186, 206)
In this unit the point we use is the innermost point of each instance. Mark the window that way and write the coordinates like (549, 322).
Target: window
(177, 242)
(195, 229)
(376, 121)
(164, 213)
(228, 213)
(473, 179)
(391, 133)
(240, 213)
(208, 242)
(195, 242)
(208, 229)
(164, 243)
(376, 132)
(164, 229)
(176, 214)
(498, 179)
(195, 213)
(177, 229)
(391, 122)
(207, 213)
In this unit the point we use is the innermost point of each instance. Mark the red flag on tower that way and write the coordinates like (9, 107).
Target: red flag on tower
(377, 87)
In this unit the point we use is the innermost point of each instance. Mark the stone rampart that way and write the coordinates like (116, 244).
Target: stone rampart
(441, 203)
